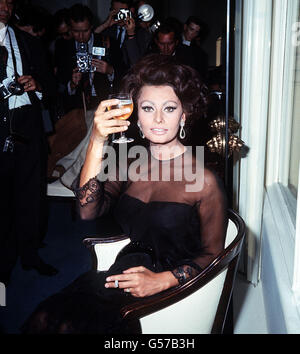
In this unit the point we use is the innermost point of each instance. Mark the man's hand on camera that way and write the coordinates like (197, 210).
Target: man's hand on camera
(102, 66)
(29, 83)
(76, 77)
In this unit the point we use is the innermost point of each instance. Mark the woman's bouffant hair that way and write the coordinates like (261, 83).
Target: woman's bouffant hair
(158, 70)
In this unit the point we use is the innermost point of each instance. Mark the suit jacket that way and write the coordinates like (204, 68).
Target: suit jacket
(119, 55)
(65, 57)
(183, 54)
(135, 48)
(34, 63)
(200, 59)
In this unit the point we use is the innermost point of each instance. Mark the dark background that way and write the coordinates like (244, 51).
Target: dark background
(211, 12)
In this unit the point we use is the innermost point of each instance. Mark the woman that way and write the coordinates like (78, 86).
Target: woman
(175, 230)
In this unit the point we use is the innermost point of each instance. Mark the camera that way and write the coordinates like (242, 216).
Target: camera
(123, 14)
(146, 14)
(84, 58)
(155, 26)
(10, 87)
(13, 139)
(9, 144)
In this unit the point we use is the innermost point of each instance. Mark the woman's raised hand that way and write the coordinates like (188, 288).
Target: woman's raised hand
(106, 121)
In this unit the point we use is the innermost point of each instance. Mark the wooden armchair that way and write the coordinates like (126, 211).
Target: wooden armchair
(199, 306)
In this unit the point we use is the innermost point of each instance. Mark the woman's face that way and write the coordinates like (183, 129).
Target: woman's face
(159, 114)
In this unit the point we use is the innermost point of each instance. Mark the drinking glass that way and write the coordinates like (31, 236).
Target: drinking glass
(125, 101)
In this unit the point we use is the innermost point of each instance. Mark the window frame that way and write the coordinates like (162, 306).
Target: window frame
(285, 207)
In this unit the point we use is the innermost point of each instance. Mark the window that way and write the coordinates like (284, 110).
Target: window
(282, 170)
(283, 153)
(293, 178)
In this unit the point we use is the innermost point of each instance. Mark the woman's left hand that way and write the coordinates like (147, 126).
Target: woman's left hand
(141, 282)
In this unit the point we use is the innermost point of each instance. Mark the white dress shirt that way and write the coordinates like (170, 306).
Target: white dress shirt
(185, 41)
(22, 100)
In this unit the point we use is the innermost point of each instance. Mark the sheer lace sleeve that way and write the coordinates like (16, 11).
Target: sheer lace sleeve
(212, 210)
(96, 198)
(185, 272)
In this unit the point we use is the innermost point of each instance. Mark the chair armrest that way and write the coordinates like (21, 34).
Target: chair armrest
(105, 249)
(92, 241)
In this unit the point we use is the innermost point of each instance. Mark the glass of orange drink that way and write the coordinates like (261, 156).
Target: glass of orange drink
(125, 101)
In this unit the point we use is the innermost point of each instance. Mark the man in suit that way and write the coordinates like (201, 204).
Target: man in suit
(72, 83)
(167, 41)
(191, 38)
(126, 36)
(22, 148)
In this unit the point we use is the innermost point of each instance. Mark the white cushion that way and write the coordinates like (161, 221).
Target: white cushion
(57, 189)
(107, 252)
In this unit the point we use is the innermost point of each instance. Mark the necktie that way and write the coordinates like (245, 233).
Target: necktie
(3, 62)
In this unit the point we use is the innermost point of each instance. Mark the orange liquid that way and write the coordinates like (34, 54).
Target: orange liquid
(123, 105)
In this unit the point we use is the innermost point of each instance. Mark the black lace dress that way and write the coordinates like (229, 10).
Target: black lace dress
(177, 224)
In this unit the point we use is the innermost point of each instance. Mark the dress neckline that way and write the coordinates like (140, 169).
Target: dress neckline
(156, 201)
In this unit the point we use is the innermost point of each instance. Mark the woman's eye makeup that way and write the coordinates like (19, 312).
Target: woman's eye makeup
(170, 109)
(147, 108)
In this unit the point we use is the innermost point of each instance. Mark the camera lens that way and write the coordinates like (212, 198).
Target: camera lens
(15, 88)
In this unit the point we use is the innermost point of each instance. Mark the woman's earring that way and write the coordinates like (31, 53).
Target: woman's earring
(182, 131)
(141, 132)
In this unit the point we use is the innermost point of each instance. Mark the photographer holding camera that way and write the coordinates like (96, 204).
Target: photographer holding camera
(84, 63)
(24, 79)
(125, 33)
